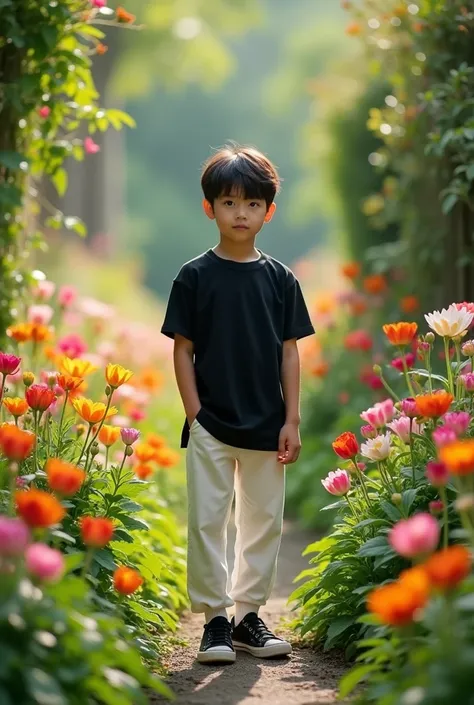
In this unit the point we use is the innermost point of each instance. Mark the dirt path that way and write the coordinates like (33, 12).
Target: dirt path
(306, 678)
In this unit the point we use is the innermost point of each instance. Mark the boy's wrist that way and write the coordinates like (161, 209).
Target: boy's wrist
(293, 421)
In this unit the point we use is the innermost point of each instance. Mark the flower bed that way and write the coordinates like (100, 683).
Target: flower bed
(91, 553)
(405, 498)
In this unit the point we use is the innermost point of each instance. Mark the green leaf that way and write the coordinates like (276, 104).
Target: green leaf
(449, 203)
(466, 603)
(60, 181)
(145, 614)
(75, 224)
(74, 561)
(105, 559)
(377, 546)
(11, 160)
(338, 626)
(390, 510)
(470, 172)
(119, 117)
(44, 689)
(408, 497)
(354, 677)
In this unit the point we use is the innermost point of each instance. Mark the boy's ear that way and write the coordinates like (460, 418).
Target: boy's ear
(208, 209)
(270, 213)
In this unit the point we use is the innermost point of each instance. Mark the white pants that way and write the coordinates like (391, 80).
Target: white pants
(213, 469)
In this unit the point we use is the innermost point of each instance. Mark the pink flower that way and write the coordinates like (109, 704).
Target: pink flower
(44, 111)
(437, 473)
(467, 305)
(44, 562)
(379, 414)
(14, 537)
(467, 381)
(458, 421)
(90, 146)
(468, 348)
(98, 3)
(9, 364)
(368, 431)
(443, 435)
(40, 313)
(408, 407)
(401, 427)
(129, 435)
(44, 290)
(397, 362)
(417, 536)
(338, 482)
(72, 345)
(137, 414)
(67, 295)
(436, 507)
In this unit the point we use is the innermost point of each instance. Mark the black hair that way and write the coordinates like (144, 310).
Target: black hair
(242, 169)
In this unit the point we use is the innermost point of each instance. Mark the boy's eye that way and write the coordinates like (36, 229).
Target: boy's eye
(228, 203)
(254, 204)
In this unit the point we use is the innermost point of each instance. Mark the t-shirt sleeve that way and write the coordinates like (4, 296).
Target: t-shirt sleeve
(297, 320)
(180, 312)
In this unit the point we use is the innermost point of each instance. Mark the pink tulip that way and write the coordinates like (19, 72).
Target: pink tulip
(408, 407)
(417, 536)
(437, 473)
(98, 3)
(443, 435)
(67, 295)
(40, 313)
(9, 364)
(90, 146)
(72, 345)
(44, 562)
(137, 414)
(397, 362)
(337, 483)
(44, 111)
(129, 435)
(468, 348)
(14, 537)
(44, 290)
(368, 431)
(379, 414)
(401, 428)
(436, 507)
(458, 421)
(467, 381)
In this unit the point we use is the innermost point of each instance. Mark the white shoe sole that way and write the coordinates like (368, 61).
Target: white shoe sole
(283, 649)
(216, 656)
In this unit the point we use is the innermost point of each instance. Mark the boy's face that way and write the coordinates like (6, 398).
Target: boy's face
(239, 218)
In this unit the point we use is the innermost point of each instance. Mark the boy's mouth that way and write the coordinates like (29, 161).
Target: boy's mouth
(241, 227)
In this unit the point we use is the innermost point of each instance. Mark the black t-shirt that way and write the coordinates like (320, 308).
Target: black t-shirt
(238, 314)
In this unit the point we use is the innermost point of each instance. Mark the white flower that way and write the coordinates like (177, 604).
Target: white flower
(450, 322)
(377, 448)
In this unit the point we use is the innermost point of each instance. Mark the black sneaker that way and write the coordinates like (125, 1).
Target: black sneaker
(252, 635)
(216, 644)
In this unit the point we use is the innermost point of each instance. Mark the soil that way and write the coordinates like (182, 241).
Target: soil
(305, 678)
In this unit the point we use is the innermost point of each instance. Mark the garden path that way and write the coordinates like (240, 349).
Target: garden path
(307, 677)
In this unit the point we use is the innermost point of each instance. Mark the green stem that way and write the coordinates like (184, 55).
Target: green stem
(428, 367)
(87, 562)
(448, 365)
(442, 494)
(60, 438)
(107, 450)
(412, 455)
(11, 499)
(388, 388)
(405, 373)
(35, 456)
(2, 390)
(85, 443)
(103, 419)
(351, 507)
(362, 484)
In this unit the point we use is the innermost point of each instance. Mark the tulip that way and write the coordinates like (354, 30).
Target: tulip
(450, 322)
(402, 426)
(377, 448)
(108, 435)
(433, 405)
(379, 414)
(337, 483)
(368, 431)
(14, 537)
(458, 421)
(346, 446)
(416, 536)
(72, 345)
(129, 435)
(400, 334)
(127, 580)
(16, 406)
(98, 3)
(77, 368)
(28, 378)
(443, 436)
(458, 457)
(408, 407)
(9, 364)
(447, 568)
(39, 397)
(397, 362)
(397, 603)
(39, 509)
(436, 507)
(437, 473)
(45, 563)
(16, 444)
(467, 381)
(64, 478)
(96, 532)
(116, 375)
(92, 412)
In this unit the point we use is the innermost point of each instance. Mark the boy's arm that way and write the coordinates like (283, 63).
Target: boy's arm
(186, 377)
(290, 442)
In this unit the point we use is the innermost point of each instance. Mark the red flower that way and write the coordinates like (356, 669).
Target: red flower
(127, 580)
(39, 397)
(96, 531)
(358, 340)
(16, 444)
(346, 445)
(39, 509)
(397, 362)
(9, 364)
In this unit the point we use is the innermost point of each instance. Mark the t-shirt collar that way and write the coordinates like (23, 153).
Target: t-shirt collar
(254, 264)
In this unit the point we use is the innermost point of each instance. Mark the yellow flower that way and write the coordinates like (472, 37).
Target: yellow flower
(77, 368)
(92, 411)
(116, 375)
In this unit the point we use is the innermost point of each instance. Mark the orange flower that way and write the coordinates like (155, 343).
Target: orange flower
(166, 457)
(156, 441)
(92, 411)
(401, 333)
(39, 397)
(447, 568)
(145, 452)
(16, 444)
(124, 16)
(21, 332)
(408, 304)
(375, 284)
(108, 435)
(64, 478)
(320, 369)
(324, 304)
(358, 307)
(39, 332)
(116, 375)
(346, 446)
(96, 531)
(400, 11)
(39, 509)
(433, 405)
(68, 383)
(142, 470)
(76, 367)
(150, 379)
(101, 49)
(16, 406)
(351, 270)
(353, 29)
(127, 580)
(397, 603)
(458, 457)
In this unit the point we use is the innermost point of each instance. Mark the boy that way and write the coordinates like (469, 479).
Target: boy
(235, 315)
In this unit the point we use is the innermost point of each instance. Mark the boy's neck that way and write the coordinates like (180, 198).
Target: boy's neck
(237, 251)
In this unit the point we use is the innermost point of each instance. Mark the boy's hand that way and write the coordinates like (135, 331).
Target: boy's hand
(289, 444)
